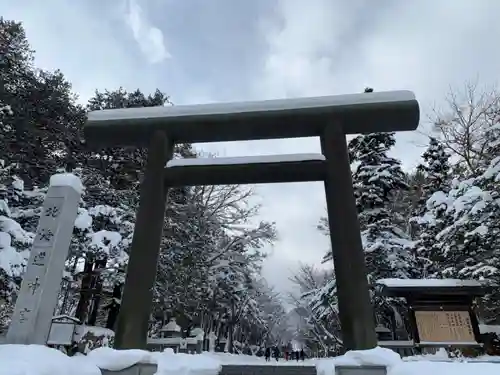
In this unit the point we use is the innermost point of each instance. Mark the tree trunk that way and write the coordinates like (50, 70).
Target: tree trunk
(114, 309)
(85, 291)
(230, 333)
(100, 265)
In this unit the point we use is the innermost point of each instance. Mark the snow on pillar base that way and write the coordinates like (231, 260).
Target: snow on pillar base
(37, 297)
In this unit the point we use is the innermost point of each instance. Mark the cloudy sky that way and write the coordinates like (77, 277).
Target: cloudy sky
(201, 51)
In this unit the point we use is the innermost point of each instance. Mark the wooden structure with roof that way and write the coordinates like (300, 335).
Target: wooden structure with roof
(441, 311)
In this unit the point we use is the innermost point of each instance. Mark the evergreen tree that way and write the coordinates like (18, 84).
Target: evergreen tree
(376, 178)
(431, 218)
(436, 168)
(44, 133)
(469, 243)
(15, 243)
(123, 166)
(105, 224)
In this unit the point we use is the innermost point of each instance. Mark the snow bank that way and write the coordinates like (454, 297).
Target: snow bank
(397, 366)
(98, 331)
(168, 362)
(485, 328)
(41, 360)
(376, 356)
(83, 220)
(67, 179)
(115, 360)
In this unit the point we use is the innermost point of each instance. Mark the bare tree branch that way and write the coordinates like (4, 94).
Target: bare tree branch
(463, 124)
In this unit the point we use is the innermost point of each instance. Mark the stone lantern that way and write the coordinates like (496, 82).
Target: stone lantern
(171, 330)
(198, 333)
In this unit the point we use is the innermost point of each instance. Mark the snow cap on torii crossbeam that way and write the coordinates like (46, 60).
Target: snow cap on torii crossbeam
(269, 119)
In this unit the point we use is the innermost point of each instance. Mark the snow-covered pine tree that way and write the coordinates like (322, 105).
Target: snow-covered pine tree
(487, 266)
(15, 244)
(15, 241)
(376, 178)
(41, 135)
(430, 215)
(123, 166)
(40, 125)
(436, 168)
(104, 227)
(470, 243)
(98, 258)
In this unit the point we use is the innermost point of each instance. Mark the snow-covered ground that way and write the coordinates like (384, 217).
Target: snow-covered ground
(41, 360)
(438, 364)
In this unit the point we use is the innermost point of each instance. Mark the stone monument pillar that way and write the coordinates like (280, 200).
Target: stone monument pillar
(211, 342)
(37, 297)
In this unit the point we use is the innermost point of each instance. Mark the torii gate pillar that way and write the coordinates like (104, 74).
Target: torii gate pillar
(356, 315)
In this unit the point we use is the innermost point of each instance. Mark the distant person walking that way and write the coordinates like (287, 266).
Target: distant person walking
(302, 355)
(276, 353)
(267, 354)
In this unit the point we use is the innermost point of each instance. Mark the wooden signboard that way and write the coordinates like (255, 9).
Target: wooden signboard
(444, 326)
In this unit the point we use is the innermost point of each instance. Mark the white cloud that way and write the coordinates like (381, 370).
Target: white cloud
(83, 46)
(325, 47)
(150, 38)
(333, 46)
(303, 45)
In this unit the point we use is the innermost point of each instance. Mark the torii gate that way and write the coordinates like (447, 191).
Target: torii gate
(329, 117)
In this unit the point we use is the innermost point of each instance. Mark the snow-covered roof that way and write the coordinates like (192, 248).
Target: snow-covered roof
(419, 283)
(436, 287)
(244, 160)
(172, 326)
